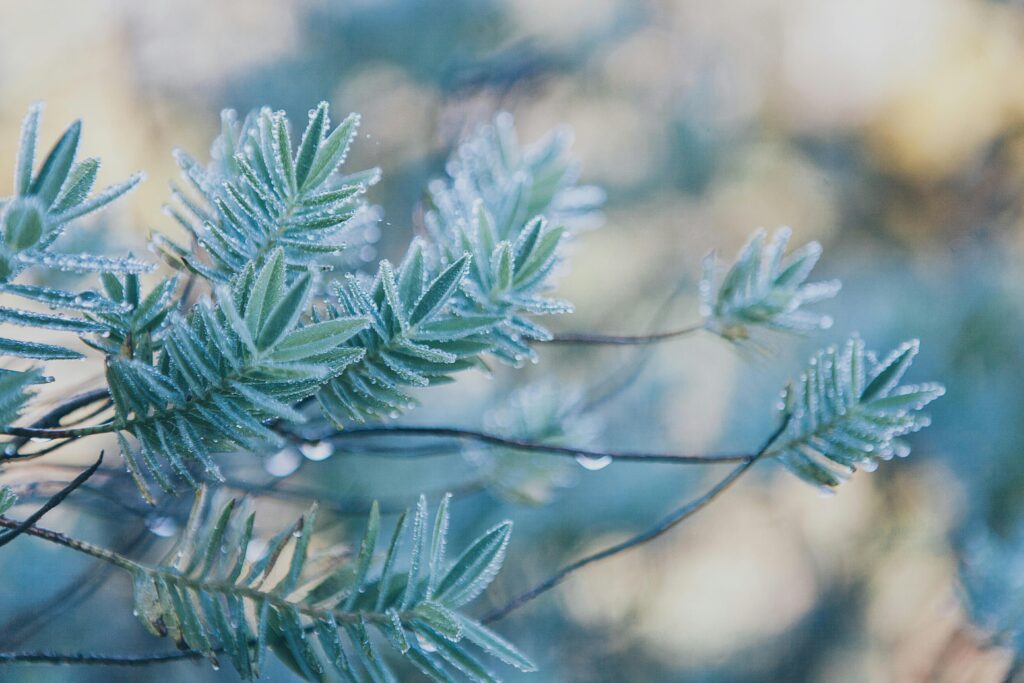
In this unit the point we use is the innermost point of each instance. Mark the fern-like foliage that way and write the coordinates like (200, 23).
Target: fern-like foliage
(509, 207)
(412, 339)
(15, 392)
(225, 369)
(764, 288)
(135, 328)
(848, 410)
(260, 194)
(46, 201)
(516, 183)
(326, 615)
(467, 290)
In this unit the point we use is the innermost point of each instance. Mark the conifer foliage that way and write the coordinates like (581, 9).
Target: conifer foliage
(254, 338)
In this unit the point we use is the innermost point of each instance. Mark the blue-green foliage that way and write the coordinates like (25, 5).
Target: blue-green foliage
(848, 410)
(135, 327)
(217, 589)
(509, 207)
(233, 360)
(764, 288)
(466, 291)
(225, 369)
(260, 193)
(46, 201)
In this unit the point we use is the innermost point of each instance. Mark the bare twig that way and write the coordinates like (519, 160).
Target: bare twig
(537, 447)
(596, 339)
(53, 502)
(677, 516)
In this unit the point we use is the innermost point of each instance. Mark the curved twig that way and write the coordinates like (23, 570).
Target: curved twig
(677, 516)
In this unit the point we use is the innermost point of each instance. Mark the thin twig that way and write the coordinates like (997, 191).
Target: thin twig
(26, 623)
(53, 502)
(51, 419)
(663, 526)
(537, 447)
(99, 660)
(597, 339)
(60, 433)
(627, 374)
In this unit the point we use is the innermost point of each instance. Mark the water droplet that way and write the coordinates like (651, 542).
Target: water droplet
(162, 526)
(321, 450)
(283, 463)
(869, 465)
(425, 644)
(10, 450)
(594, 463)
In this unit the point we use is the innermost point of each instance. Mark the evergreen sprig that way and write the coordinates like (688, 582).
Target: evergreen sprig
(223, 371)
(464, 293)
(848, 410)
(219, 590)
(235, 363)
(45, 203)
(764, 288)
(260, 193)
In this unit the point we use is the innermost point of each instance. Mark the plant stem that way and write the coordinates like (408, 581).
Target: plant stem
(537, 447)
(676, 517)
(51, 503)
(597, 339)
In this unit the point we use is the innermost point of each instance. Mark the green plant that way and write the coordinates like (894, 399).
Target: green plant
(256, 346)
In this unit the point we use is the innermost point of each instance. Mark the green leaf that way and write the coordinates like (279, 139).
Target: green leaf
(439, 618)
(310, 143)
(439, 291)
(27, 150)
(24, 349)
(331, 152)
(57, 165)
(283, 317)
(7, 499)
(493, 644)
(317, 338)
(78, 185)
(475, 568)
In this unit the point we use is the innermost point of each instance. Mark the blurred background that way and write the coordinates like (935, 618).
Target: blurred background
(893, 132)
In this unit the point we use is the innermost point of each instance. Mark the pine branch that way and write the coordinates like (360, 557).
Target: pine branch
(764, 289)
(260, 195)
(211, 596)
(223, 371)
(488, 260)
(849, 411)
